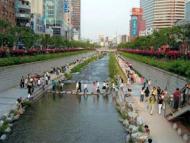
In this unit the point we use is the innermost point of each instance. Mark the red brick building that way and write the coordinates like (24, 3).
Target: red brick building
(7, 11)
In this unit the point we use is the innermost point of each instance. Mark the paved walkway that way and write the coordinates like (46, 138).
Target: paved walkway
(9, 97)
(161, 129)
(10, 76)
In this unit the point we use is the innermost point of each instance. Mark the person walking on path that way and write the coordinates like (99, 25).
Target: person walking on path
(22, 82)
(29, 86)
(94, 87)
(85, 89)
(151, 103)
(160, 104)
(80, 87)
(142, 93)
(176, 96)
(147, 92)
(39, 82)
(97, 87)
(154, 92)
(77, 87)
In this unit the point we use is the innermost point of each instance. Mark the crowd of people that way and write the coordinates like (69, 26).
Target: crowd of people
(34, 81)
(96, 89)
(153, 95)
(37, 81)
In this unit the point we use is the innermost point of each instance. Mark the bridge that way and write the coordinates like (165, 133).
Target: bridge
(106, 49)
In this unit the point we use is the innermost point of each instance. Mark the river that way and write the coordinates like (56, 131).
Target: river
(72, 119)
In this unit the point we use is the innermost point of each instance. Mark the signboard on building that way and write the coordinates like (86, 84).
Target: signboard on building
(134, 26)
(137, 11)
(66, 6)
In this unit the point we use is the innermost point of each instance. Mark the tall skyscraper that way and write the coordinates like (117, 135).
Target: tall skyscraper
(37, 6)
(148, 12)
(53, 15)
(187, 11)
(162, 13)
(137, 24)
(76, 15)
(23, 12)
(7, 11)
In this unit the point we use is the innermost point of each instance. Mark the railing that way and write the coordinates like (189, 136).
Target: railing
(183, 104)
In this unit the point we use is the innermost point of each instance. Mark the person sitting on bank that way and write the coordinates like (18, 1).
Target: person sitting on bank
(176, 97)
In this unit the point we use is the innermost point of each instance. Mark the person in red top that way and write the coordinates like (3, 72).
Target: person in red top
(176, 95)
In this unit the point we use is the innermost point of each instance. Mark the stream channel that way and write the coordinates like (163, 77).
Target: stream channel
(70, 118)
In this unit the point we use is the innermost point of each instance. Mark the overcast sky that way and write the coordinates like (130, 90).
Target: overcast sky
(106, 17)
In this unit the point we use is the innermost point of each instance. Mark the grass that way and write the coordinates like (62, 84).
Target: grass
(179, 66)
(80, 66)
(28, 59)
(115, 69)
(68, 76)
(4, 127)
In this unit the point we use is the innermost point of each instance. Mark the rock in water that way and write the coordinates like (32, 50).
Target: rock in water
(3, 137)
(133, 128)
(126, 123)
(8, 130)
(132, 115)
(1, 123)
(139, 120)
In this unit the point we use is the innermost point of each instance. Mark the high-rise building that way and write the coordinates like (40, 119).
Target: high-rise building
(53, 15)
(187, 11)
(36, 22)
(23, 12)
(148, 12)
(137, 24)
(76, 15)
(69, 33)
(37, 7)
(7, 10)
(124, 39)
(162, 13)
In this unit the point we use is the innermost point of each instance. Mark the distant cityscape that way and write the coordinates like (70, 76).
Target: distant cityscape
(53, 17)
(150, 16)
(63, 17)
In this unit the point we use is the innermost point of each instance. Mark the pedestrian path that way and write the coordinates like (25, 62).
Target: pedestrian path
(8, 99)
(161, 129)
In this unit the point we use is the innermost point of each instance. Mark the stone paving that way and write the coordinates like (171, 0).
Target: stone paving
(161, 129)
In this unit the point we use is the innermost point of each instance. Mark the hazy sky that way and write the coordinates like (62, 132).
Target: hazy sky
(106, 17)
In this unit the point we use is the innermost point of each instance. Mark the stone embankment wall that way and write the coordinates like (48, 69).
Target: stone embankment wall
(159, 77)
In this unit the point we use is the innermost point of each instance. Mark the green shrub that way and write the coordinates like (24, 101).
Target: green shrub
(80, 66)
(27, 59)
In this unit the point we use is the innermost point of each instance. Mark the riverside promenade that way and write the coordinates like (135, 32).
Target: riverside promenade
(10, 77)
(160, 129)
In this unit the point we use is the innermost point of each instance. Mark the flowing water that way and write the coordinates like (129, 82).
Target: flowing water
(72, 119)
